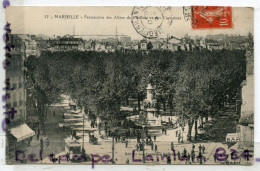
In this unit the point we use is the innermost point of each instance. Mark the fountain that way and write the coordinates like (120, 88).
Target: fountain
(148, 116)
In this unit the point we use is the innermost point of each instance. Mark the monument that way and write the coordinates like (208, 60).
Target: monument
(148, 116)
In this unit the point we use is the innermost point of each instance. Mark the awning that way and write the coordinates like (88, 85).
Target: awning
(72, 142)
(22, 132)
(73, 120)
(68, 115)
(86, 129)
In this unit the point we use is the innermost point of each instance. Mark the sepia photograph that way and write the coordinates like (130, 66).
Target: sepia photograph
(129, 85)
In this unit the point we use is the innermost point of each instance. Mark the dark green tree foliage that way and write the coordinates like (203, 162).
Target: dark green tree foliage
(194, 83)
(205, 80)
(41, 91)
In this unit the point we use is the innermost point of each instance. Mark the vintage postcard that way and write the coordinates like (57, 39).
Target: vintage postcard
(131, 85)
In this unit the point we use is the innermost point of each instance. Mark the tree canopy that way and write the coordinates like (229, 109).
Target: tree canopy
(196, 82)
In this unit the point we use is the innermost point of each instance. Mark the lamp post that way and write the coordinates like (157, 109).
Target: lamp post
(182, 135)
(182, 126)
(143, 143)
(113, 144)
(113, 149)
(83, 149)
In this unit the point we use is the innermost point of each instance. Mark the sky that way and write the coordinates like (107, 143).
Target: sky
(41, 20)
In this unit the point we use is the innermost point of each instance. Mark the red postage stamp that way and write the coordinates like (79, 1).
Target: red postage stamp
(204, 17)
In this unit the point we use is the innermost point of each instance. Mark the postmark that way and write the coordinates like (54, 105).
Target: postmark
(207, 17)
(187, 13)
(149, 21)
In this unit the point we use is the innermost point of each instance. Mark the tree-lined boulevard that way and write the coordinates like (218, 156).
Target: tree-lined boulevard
(193, 84)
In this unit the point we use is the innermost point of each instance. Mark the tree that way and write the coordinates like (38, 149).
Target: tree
(195, 84)
(205, 79)
(40, 90)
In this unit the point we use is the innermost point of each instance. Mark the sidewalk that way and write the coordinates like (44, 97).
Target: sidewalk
(55, 136)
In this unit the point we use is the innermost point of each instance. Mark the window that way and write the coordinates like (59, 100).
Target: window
(20, 84)
(8, 105)
(20, 102)
(14, 86)
(15, 104)
(20, 96)
(21, 115)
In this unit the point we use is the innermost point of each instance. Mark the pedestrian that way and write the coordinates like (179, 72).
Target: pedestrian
(203, 149)
(41, 144)
(152, 145)
(192, 151)
(200, 159)
(68, 156)
(154, 137)
(29, 142)
(172, 147)
(179, 155)
(162, 130)
(155, 148)
(193, 157)
(47, 142)
(127, 161)
(141, 146)
(168, 160)
(176, 133)
(193, 147)
(59, 159)
(165, 131)
(185, 152)
(126, 144)
(188, 157)
(200, 147)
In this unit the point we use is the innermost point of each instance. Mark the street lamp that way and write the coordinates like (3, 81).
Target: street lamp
(113, 149)
(182, 134)
(83, 142)
(143, 143)
(182, 126)
(113, 144)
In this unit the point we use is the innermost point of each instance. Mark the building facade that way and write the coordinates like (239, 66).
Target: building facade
(125, 39)
(17, 131)
(68, 44)
(246, 121)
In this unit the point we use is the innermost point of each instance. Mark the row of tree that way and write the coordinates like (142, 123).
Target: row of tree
(195, 84)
